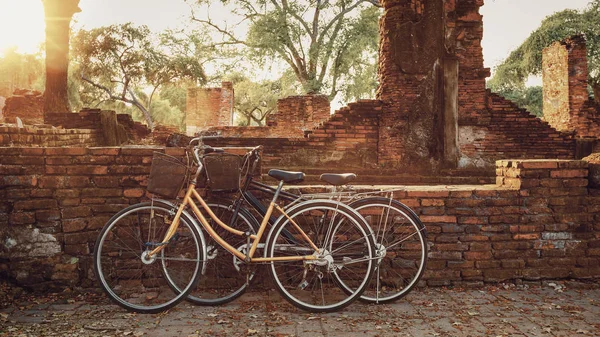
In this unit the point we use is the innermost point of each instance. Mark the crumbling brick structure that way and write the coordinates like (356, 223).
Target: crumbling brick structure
(567, 105)
(433, 111)
(536, 222)
(28, 105)
(208, 107)
(91, 119)
(296, 114)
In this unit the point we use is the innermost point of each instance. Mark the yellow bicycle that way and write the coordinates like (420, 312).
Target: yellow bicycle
(149, 256)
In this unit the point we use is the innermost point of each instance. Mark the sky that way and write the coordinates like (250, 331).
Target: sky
(506, 22)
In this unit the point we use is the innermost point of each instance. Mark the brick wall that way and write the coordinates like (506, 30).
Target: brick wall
(25, 104)
(55, 200)
(467, 34)
(35, 137)
(89, 119)
(507, 131)
(567, 105)
(347, 139)
(555, 75)
(537, 222)
(411, 48)
(206, 107)
(296, 114)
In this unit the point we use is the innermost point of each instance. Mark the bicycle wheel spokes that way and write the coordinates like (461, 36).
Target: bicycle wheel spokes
(225, 276)
(401, 246)
(133, 278)
(313, 285)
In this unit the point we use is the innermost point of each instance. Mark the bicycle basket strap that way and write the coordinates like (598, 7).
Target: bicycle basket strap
(167, 175)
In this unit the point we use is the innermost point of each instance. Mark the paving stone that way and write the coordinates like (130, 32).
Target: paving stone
(490, 311)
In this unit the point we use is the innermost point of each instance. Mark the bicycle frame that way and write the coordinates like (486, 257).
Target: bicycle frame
(192, 196)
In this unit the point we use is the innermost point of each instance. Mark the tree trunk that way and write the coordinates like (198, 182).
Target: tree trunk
(58, 14)
(596, 89)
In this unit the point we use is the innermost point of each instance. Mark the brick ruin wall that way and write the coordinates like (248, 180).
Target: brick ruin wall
(348, 140)
(208, 107)
(488, 127)
(555, 77)
(567, 105)
(297, 114)
(540, 221)
(36, 137)
(26, 104)
(507, 131)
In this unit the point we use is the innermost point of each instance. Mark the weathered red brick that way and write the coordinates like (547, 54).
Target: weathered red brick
(569, 174)
(35, 204)
(438, 219)
(76, 212)
(66, 151)
(21, 218)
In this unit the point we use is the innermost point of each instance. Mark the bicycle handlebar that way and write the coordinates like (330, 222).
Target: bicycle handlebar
(199, 139)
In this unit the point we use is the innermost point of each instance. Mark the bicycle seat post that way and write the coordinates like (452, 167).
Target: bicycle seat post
(276, 195)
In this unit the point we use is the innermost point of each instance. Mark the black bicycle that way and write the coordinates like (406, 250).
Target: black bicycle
(400, 236)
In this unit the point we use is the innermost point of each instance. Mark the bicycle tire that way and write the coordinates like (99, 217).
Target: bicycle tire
(401, 240)
(348, 256)
(225, 277)
(136, 281)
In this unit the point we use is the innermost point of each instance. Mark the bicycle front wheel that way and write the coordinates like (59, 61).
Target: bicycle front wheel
(134, 279)
(225, 276)
(345, 253)
(401, 248)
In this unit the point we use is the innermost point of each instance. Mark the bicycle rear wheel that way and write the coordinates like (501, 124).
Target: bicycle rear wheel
(401, 245)
(345, 253)
(134, 279)
(225, 277)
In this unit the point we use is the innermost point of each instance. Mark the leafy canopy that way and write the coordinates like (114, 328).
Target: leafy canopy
(255, 101)
(527, 58)
(328, 45)
(20, 71)
(122, 62)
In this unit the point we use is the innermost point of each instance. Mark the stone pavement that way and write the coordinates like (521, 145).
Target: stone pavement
(552, 309)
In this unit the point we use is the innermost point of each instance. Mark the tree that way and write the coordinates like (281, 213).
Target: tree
(528, 98)
(17, 70)
(323, 42)
(255, 101)
(120, 61)
(58, 14)
(527, 58)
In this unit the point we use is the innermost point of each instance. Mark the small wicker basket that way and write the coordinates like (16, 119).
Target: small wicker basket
(167, 175)
(222, 171)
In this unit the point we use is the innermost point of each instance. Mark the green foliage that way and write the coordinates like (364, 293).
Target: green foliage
(330, 46)
(176, 95)
(20, 71)
(529, 98)
(127, 63)
(527, 58)
(255, 101)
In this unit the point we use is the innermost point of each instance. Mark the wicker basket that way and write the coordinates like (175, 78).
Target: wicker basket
(167, 175)
(222, 171)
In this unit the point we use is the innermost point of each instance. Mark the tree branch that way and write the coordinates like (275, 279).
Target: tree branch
(123, 99)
